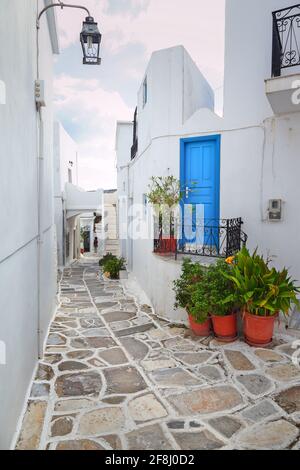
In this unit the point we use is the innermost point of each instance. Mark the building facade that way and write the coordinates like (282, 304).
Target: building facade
(65, 172)
(243, 165)
(28, 235)
(70, 200)
(111, 242)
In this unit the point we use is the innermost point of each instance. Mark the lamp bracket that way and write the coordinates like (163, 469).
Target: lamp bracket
(62, 6)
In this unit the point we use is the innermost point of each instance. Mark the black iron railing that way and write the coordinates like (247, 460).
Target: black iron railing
(165, 237)
(134, 148)
(286, 39)
(213, 238)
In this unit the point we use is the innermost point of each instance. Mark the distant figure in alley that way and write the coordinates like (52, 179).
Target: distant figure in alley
(96, 243)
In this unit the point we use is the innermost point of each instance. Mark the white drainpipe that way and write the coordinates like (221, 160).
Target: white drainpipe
(40, 170)
(40, 229)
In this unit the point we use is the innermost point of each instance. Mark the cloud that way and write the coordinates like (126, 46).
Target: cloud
(89, 100)
(120, 71)
(165, 23)
(109, 14)
(131, 8)
(89, 114)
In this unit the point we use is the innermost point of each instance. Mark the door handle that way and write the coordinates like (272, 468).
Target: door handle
(187, 191)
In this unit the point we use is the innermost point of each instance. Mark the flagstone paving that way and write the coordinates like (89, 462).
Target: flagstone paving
(115, 376)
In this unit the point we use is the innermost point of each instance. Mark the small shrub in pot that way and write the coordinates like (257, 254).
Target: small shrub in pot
(112, 267)
(184, 287)
(209, 296)
(263, 292)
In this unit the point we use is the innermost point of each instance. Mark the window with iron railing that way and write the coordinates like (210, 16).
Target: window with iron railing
(286, 39)
(134, 148)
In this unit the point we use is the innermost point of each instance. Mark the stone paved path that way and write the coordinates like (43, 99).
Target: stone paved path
(114, 376)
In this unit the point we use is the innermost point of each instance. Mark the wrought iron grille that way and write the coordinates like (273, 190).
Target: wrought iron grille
(134, 148)
(286, 39)
(165, 238)
(213, 238)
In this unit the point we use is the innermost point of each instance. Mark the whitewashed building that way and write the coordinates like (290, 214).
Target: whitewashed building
(27, 235)
(92, 227)
(70, 200)
(244, 164)
(111, 242)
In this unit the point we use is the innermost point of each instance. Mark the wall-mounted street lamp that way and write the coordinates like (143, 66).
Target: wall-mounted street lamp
(90, 36)
(90, 39)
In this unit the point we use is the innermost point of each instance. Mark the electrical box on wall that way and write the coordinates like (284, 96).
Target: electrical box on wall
(275, 210)
(39, 90)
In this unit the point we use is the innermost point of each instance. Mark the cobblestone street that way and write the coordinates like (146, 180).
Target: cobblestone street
(114, 376)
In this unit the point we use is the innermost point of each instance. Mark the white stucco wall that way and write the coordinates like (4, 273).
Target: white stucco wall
(124, 137)
(65, 157)
(70, 200)
(19, 302)
(110, 214)
(65, 171)
(259, 151)
(176, 88)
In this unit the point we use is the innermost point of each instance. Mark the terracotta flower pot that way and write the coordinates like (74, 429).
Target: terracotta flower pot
(225, 328)
(200, 329)
(166, 246)
(258, 331)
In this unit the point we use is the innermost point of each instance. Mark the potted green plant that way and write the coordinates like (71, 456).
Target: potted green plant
(165, 195)
(184, 287)
(208, 298)
(262, 292)
(105, 258)
(113, 266)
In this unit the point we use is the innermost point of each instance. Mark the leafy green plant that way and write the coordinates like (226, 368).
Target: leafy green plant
(209, 295)
(165, 195)
(114, 266)
(164, 191)
(191, 275)
(259, 289)
(83, 234)
(107, 257)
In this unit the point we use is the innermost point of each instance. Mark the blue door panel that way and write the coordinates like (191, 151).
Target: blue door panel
(200, 182)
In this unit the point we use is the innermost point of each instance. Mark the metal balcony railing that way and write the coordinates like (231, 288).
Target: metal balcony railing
(211, 238)
(134, 149)
(286, 39)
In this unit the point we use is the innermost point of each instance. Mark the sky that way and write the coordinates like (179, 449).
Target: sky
(90, 99)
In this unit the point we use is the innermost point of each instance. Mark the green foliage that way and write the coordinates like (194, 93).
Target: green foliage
(184, 287)
(107, 257)
(113, 266)
(208, 297)
(83, 234)
(259, 289)
(164, 191)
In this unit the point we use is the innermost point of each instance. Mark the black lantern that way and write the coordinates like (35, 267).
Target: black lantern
(90, 39)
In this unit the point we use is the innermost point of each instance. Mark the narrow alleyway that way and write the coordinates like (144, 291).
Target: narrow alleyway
(115, 377)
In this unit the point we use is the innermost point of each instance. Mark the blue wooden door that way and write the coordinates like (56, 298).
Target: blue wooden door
(200, 182)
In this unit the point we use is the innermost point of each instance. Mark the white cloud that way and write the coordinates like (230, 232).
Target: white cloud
(131, 8)
(196, 24)
(91, 112)
(132, 30)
